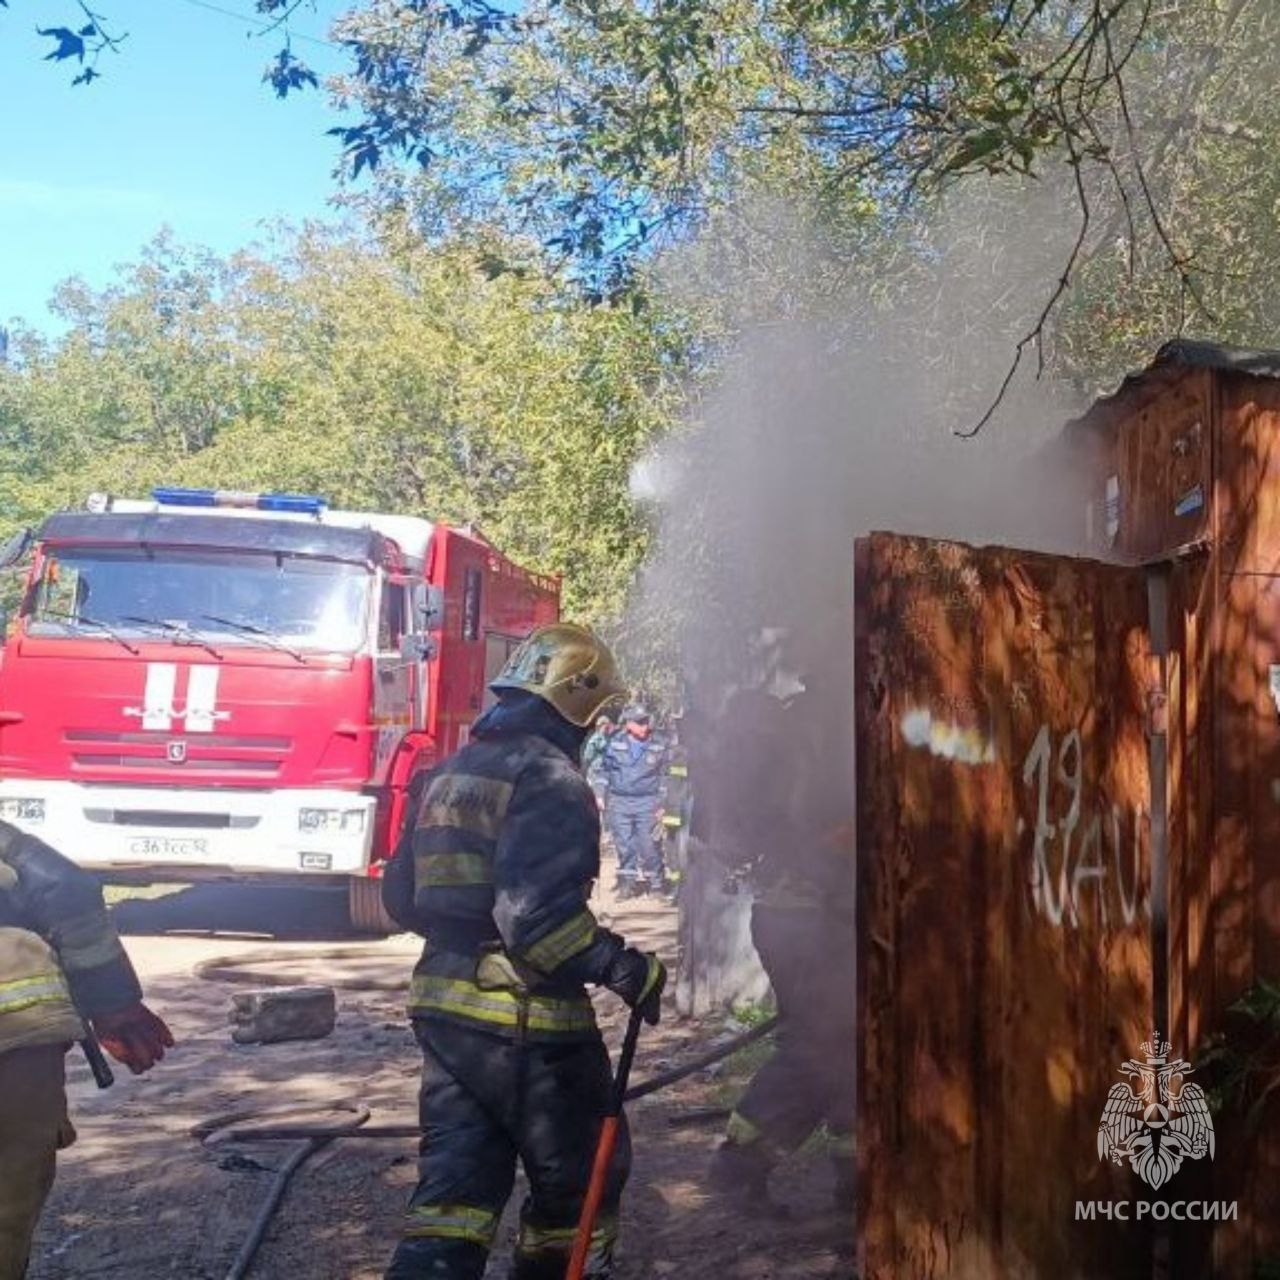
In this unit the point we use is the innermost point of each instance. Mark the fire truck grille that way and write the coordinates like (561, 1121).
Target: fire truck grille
(159, 739)
(86, 760)
(176, 754)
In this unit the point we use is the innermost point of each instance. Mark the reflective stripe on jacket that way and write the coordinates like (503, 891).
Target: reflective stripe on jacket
(35, 1002)
(495, 872)
(500, 1010)
(59, 951)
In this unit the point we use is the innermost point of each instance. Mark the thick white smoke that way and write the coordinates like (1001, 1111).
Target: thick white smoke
(835, 414)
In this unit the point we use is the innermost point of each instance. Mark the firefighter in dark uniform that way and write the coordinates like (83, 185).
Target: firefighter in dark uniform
(495, 872)
(60, 958)
(677, 802)
(791, 822)
(634, 764)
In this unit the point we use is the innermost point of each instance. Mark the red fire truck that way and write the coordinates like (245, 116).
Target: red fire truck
(212, 685)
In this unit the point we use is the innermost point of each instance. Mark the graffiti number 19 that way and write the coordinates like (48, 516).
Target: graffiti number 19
(1069, 850)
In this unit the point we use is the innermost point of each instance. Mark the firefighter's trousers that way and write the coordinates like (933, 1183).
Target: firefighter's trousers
(808, 953)
(630, 820)
(485, 1103)
(33, 1125)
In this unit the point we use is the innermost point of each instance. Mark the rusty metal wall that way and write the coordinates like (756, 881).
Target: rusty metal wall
(1214, 430)
(1226, 884)
(1163, 463)
(1005, 962)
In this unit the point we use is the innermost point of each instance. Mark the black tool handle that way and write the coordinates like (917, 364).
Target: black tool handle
(625, 1060)
(102, 1073)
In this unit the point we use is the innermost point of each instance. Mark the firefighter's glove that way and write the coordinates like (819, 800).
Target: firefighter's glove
(639, 979)
(134, 1036)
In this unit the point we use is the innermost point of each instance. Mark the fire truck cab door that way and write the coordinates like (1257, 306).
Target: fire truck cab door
(418, 646)
(397, 702)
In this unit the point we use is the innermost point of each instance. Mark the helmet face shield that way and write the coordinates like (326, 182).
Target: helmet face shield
(528, 666)
(567, 666)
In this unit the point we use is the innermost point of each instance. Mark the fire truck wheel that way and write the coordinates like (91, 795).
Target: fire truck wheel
(364, 906)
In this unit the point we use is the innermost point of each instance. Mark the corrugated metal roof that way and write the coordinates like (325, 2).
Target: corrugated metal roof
(1194, 354)
(1187, 353)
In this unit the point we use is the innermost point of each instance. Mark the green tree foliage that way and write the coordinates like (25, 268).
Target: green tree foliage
(1194, 138)
(609, 125)
(605, 129)
(386, 376)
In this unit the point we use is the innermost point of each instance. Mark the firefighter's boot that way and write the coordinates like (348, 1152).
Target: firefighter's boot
(545, 1268)
(740, 1174)
(551, 1265)
(554, 1269)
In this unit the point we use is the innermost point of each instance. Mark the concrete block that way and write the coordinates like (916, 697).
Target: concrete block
(283, 1013)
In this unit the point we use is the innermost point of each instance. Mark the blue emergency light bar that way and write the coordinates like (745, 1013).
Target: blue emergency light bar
(298, 503)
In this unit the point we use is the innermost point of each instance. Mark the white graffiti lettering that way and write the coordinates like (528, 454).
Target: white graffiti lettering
(1087, 846)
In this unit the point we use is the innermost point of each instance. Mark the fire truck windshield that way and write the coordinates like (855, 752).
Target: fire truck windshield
(248, 598)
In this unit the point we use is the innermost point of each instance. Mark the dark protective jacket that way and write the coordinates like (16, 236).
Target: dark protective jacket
(744, 804)
(495, 872)
(780, 806)
(635, 769)
(677, 798)
(59, 951)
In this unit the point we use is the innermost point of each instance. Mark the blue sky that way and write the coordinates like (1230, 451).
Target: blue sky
(180, 132)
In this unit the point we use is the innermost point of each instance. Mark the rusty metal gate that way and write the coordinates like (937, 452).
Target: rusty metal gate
(1004, 905)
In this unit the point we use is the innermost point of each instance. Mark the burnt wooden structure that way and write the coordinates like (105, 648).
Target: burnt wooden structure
(1187, 457)
(1004, 845)
(1069, 833)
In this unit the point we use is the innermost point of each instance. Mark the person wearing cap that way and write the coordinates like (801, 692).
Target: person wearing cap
(635, 772)
(495, 868)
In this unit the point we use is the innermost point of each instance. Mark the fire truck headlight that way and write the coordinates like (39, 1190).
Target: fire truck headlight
(12, 810)
(344, 822)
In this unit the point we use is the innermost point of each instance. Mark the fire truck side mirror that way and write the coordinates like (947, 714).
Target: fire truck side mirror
(15, 548)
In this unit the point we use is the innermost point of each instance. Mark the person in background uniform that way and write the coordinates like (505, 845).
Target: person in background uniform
(593, 756)
(60, 958)
(495, 872)
(790, 821)
(635, 771)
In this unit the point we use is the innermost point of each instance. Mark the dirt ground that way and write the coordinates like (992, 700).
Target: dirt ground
(139, 1196)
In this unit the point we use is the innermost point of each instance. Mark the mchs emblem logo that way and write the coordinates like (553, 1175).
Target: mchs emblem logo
(1158, 1119)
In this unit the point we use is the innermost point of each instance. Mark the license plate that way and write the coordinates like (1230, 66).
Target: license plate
(167, 847)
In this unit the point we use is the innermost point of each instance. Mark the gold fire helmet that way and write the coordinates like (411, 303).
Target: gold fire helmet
(567, 666)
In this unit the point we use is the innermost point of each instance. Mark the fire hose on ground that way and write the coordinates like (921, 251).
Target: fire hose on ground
(207, 1131)
(236, 1126)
